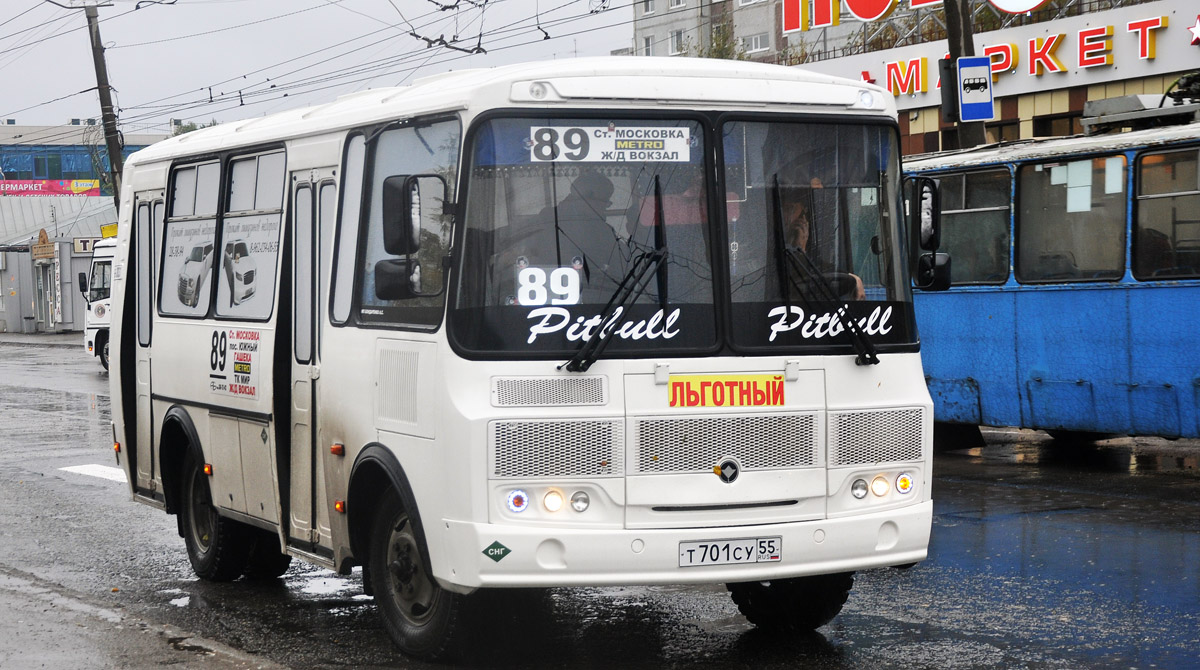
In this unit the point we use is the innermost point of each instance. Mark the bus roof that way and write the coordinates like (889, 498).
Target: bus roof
(700, 83)
(1007, 152)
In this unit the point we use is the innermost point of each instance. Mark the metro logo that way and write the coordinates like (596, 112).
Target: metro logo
(726, 391)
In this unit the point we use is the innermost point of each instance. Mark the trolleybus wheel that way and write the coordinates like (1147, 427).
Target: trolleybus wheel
(1076, 437)
(420, 616)
(104, 354)
(217, 547)
(265, 560)
(797, 604)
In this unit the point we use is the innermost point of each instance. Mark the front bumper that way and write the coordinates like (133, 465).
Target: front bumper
(546, 556)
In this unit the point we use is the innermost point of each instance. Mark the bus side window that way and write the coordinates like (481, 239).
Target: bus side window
(1166, 234)
(429, 151)
(347, 235)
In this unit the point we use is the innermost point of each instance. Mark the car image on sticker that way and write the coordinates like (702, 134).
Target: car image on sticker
(726, 552)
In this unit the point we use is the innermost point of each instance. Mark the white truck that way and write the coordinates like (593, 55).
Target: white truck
(96, 288)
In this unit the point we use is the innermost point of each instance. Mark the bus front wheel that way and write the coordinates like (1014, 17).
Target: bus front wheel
(421, 617)
(217, 547)
(104, 353)
(793, 605)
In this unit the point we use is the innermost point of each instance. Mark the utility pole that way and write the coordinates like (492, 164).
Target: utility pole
(108, 115)
(960, 34)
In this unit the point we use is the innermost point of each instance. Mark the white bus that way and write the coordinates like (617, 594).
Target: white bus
(96, 286)
(583, 322)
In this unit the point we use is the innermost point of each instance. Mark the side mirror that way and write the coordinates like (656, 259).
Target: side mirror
(83, 283)
(398, 279)
(409, 200)
(933, 272)
(928, 214)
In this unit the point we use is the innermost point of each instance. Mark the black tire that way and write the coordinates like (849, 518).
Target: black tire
(104, 353)
(265, 561)
(1076, 437)
(422, 618)
(217, 547)
(793, 605)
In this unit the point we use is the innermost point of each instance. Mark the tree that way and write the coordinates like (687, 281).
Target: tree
(723, 44)
(190, 126)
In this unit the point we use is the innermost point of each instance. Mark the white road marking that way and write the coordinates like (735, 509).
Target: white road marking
(101, 471)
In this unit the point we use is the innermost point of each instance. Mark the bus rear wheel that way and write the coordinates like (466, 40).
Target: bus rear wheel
(793, 605)
(265, 561)
(218, 548)
(421, 617)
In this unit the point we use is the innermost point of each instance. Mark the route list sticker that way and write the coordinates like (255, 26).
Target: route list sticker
(233, 361)
(610, 144)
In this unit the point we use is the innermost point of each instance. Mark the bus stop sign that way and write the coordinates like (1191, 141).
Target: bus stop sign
(975, 88)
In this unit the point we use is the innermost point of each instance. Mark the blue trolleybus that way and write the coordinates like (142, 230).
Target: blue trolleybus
(1075, 305)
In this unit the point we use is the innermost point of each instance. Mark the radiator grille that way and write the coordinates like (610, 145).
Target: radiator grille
(857, 438)
(547, 391)
(557, 449)
(696, 445)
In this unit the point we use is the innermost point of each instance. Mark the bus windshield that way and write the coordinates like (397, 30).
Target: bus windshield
(561, 211)
(814, 223)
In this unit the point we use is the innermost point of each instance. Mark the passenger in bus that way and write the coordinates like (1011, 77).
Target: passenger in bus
(798, 230)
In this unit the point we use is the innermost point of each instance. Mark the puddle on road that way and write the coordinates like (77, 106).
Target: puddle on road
(1135, 459)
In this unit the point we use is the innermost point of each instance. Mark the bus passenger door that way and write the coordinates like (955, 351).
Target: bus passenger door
(314, 201)
(148, 221)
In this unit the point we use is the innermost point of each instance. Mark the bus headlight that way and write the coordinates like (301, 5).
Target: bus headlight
(879, 486)
(553, 501)
(904, 482)
(859, 489)
(518, 500)
(580, 501)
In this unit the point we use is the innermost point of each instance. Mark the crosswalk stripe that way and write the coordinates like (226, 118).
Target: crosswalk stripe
(102, 471)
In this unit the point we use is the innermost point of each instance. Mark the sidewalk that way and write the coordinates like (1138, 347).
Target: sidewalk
(65, 340)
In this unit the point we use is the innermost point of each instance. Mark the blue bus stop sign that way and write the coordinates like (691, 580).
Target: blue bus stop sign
(975, 88)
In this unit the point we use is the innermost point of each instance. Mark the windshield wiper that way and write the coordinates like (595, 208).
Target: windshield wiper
(801, 264)
(632, 285)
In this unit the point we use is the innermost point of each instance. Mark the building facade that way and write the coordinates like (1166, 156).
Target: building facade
(1046, 63)
(55, 200)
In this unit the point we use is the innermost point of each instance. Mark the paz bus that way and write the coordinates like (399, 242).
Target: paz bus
(1076, 281)
(96, 286)
(532, 326)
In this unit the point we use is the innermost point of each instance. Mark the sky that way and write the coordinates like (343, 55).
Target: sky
(221, 60)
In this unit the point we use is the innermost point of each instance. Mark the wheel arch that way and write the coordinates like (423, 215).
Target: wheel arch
(177, 437)
(375, 470)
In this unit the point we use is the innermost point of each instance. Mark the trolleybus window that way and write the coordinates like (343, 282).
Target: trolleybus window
(188, 244)
(975, 224)
(414, 166)
(250, 237)
(563, 211)
(832, 191)
(1071, 222)
(1166, 239)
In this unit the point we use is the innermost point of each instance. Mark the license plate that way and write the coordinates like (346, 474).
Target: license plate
(726, 552)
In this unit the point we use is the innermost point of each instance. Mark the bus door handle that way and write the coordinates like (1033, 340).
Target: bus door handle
(314, 372)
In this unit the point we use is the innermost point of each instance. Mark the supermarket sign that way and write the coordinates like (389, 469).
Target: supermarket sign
(43, 187)
(1147, 40)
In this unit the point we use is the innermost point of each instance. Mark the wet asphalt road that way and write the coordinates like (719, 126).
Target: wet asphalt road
(1043, 556)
